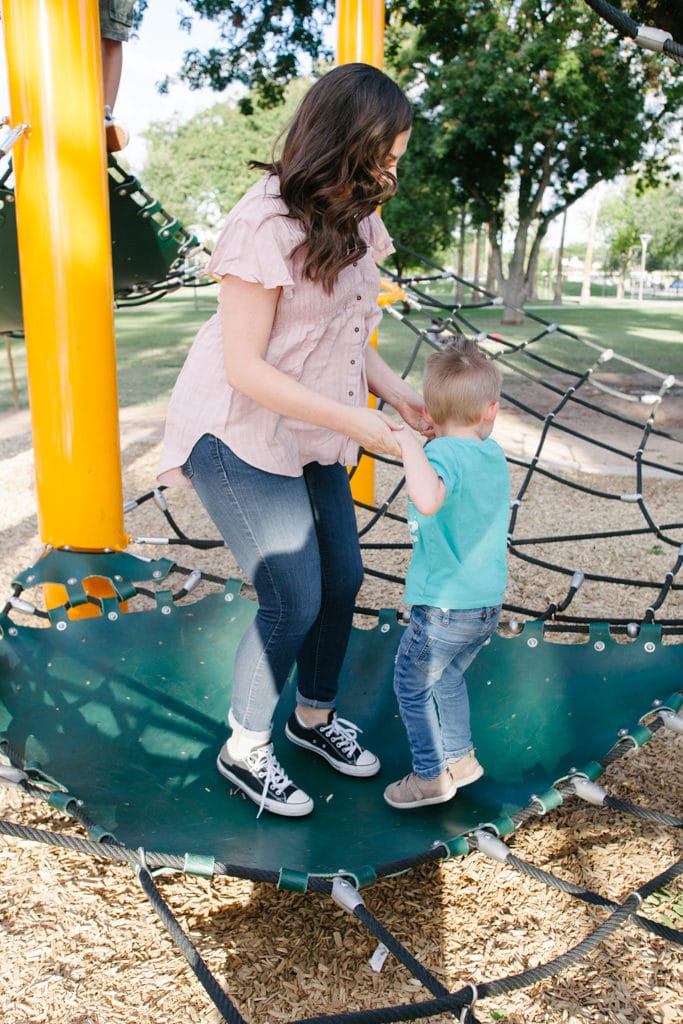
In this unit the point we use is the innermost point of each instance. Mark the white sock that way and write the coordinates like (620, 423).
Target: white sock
(243, 741)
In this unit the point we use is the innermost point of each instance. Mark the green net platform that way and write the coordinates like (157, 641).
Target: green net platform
(126, 712)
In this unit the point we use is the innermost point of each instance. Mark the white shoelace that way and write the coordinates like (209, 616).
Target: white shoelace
(344, 735)
(263, 763)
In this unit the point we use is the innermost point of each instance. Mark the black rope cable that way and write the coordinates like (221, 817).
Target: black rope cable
(223, 1004)
(626, 26)
(593, 577)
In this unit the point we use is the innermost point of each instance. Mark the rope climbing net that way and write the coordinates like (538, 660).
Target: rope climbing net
(593, 441)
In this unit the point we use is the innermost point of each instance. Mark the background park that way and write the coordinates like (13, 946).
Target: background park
(527, 111)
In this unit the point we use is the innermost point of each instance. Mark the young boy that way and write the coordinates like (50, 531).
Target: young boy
(459, 497)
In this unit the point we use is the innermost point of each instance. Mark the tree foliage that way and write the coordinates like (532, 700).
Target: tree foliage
(523, 105)
(630, 213)
(536, 105)
(263, 44)
(199, 168)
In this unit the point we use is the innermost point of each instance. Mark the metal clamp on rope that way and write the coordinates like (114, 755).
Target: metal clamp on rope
(467, 1010)
(12, 776)
(12, 136)
(672, 721)
(160, 500)
(587, 790)
(191, 581)
(491, 845)
(652, 38)
(345, 896)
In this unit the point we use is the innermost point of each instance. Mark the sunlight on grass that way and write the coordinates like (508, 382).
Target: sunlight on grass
(152, 340)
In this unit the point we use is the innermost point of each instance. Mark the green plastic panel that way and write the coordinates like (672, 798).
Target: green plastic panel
(128, 716)
(147, 243)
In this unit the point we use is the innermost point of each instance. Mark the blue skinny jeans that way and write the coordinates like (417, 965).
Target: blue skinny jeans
(437, 647)
(296, 539)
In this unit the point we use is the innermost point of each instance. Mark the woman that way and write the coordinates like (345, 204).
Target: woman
(271, 406)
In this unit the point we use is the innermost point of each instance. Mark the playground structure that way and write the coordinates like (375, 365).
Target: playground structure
(99, 679)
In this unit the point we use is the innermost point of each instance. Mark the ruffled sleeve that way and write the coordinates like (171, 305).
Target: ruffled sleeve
(254, 245)
(377, 237)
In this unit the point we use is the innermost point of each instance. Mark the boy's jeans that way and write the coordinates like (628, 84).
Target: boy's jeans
(436, 649)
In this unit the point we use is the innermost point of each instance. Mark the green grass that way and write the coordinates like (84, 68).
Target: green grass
(152, 340)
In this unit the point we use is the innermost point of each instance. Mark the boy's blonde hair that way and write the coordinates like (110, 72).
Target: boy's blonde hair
(459, 382)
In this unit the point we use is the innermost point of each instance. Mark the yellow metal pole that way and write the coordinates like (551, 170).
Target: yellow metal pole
(55, 86)
(360, 37)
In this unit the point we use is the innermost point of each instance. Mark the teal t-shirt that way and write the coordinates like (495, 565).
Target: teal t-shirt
(460, 553)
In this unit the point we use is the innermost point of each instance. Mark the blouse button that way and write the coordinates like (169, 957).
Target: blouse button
(359, 297)
(356, 330)
(355, 263)
(353, 362)
(350, 394)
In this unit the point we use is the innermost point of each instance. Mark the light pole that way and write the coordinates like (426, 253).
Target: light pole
(644, 241)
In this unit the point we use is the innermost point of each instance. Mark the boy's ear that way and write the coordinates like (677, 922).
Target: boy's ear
(491, 411)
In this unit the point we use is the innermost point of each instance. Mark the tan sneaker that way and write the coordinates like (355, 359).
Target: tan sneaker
(465, 770)
(414, 791)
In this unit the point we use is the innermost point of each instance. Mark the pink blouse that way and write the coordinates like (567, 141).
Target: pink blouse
(318, 339)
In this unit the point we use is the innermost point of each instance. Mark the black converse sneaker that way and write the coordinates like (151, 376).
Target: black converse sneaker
(337, 741)
(260, 776)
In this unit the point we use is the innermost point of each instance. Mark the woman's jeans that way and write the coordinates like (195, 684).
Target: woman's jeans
(296, 539)
(435, 650)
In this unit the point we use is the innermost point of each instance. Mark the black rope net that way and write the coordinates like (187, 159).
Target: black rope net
(594, 441)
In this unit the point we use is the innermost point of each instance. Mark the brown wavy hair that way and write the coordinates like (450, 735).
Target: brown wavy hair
(331, 166)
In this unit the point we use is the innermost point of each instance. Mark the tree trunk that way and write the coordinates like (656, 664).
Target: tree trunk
(476, 258)
(516, 284)
(588, 262)
(621, 276)
(460, 287)
(557, 297)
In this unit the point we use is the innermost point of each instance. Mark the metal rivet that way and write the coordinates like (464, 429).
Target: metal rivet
(599, 645)
(13, 631)
(532, 642)
(229, 597)
(72, 581)
(384, 628)
(61, 625)
(165, 610)
(157, 574)
(649, 647)
(112, 616)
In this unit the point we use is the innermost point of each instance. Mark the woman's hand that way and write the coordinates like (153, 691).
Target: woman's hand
(411, 408)
(372, 430)
(387, 384)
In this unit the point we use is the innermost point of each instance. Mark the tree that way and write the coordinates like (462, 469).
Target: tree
(537, 103)
(199, 168)
(530, 101)
(264, 45)
(424, 211)
(629, 213)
